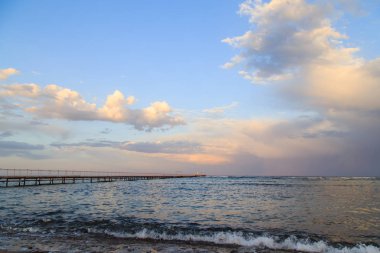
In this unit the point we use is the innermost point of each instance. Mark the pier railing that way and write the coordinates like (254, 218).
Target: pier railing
(79, 173)
(34, 177)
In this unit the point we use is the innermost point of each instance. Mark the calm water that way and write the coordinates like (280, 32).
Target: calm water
(305, 214)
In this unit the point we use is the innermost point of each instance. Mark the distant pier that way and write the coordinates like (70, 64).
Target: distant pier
(22, 178)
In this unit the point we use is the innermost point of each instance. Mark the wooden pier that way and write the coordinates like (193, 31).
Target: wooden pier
(22, 178)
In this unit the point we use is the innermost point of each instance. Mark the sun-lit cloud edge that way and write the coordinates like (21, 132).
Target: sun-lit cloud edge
(56, 102)
(6, 73)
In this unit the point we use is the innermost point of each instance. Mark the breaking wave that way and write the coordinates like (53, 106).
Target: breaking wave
(241, 239)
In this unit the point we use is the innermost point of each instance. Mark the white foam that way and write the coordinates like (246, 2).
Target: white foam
(29, 230)
(237, 238)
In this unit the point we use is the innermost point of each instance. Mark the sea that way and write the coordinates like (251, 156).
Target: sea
(204, 214)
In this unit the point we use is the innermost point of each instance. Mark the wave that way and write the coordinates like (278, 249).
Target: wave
(241, 239)
(295, 241)
(134, 228)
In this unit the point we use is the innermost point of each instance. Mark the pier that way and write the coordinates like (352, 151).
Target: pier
(26, 177)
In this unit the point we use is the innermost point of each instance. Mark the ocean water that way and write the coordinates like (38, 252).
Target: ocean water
(217, 214)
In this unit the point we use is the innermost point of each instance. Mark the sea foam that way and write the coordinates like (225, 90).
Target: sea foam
(238, 238)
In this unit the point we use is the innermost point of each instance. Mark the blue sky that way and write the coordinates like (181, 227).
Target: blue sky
(277, 119)
(153, 50)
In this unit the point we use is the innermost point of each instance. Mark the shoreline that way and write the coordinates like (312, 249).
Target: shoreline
(38, 243)
(95, 244)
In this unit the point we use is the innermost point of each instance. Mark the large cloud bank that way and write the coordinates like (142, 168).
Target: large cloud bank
(294, 46)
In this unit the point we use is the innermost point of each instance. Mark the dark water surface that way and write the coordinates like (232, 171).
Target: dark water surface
(292, 213)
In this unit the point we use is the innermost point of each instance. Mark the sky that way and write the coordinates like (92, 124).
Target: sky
(222, 87)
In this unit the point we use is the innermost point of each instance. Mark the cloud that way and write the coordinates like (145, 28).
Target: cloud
(269, 138)
(154, 116)
(89, 143)
(5, 134)
(197, 159)
(58, 102)
(221, 109)
(20, 149)
(293, 44)
(158, 147)
(114, 108)
(14, 145)
(5, 73)
(106, 131)
(54, 101)
(340, 87)
(286, 35)
(185, 152)
(24, 90)
(9, 110)
(167, 147)
(299, 146)
(234, 60)
(34, 128)
(38, 123)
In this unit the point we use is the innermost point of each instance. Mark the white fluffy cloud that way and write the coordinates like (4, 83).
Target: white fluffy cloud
(155, 115)
(295, 40)
(5, 73)
(286, 36)
(115, 107)
(54, 101)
